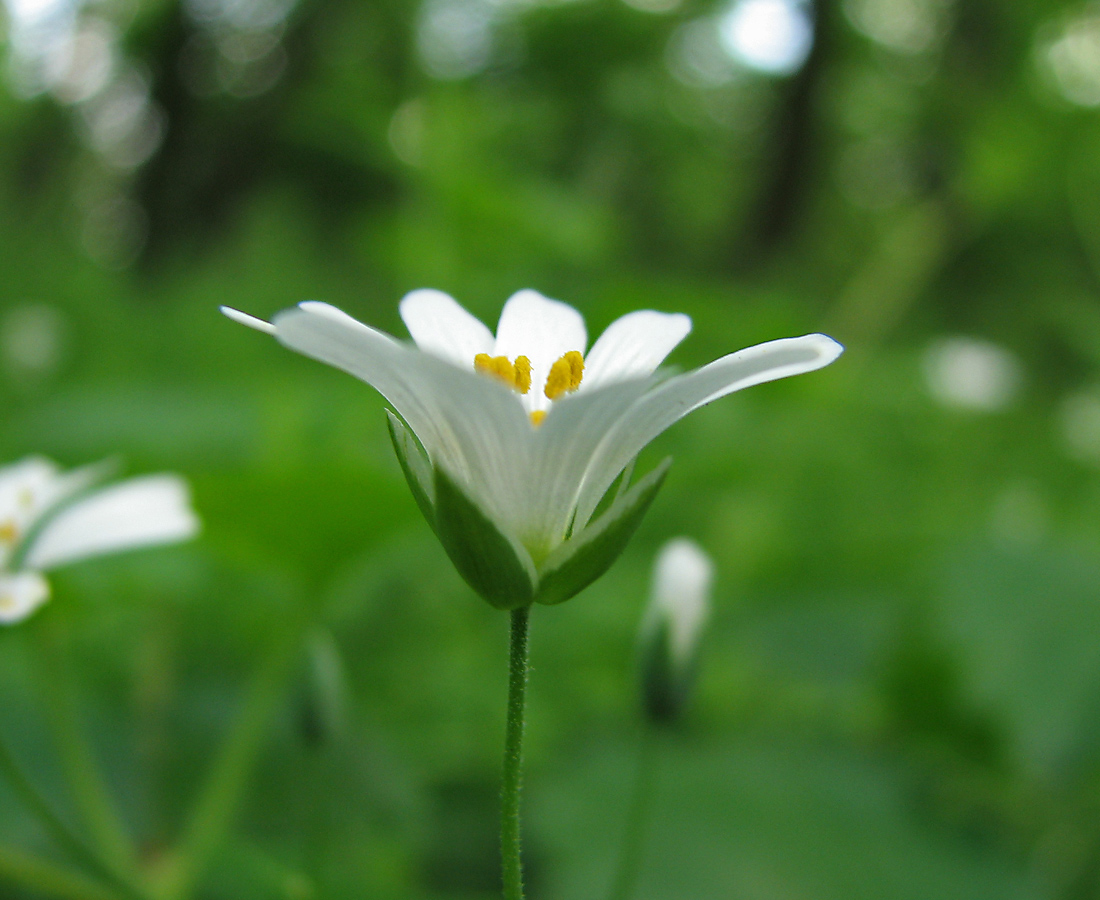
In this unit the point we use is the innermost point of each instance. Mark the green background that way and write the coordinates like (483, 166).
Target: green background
(899, 693)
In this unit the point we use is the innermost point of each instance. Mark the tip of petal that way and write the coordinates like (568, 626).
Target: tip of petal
(245, 319)
(425, 295)
(827, 348)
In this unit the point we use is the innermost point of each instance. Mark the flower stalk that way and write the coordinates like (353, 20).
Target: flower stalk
(637, 818)
(511, 863)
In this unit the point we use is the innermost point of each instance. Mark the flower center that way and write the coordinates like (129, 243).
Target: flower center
(564, 377)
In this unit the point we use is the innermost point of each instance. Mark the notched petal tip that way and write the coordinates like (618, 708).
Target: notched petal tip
(245, 319)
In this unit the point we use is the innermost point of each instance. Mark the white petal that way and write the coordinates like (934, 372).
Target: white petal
(564, 446)
(245, 319)
(543, 330)
(678, 396)
(633, 346)
(29, 489)
(21, 594)
(23, 486)
(439, 325)
(468, 423)
(154, 509)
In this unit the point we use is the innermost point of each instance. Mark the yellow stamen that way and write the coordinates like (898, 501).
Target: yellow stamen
(517, 376)
(565, 375)
(523, 374)
(8, 532)
(537, 416)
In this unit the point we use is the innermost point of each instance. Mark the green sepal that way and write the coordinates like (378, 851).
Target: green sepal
(665, 684)
(585, 557)
(414, 463)
(494, 565)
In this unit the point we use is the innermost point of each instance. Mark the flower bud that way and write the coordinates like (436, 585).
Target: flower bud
(673, 623)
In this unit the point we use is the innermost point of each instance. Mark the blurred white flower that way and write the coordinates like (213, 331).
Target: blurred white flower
(524, 433)
(49, 518)
(673, 623)
(680, 600)
(971, 373)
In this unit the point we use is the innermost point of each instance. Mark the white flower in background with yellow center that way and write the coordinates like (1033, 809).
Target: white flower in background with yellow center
(49, 518)
(519, 435)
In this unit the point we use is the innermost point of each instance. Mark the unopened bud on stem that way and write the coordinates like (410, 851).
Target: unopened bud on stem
(672, 626)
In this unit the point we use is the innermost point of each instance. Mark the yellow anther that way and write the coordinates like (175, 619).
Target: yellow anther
(523, 374)
(497, 366)
(565, 375)
(8, 532)
(517, 376)
(537, 416)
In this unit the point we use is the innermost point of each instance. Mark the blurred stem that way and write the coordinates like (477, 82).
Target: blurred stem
(637, 818)
(513, 757)
(62, 835)
(83, 775)
(213, 810)
(45, 878)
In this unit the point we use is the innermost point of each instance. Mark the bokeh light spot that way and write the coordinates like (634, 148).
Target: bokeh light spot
(971, 374)
(772, 36)
(1072, 57)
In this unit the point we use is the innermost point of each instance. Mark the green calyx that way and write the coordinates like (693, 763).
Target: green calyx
(666, 682)
(496, 565)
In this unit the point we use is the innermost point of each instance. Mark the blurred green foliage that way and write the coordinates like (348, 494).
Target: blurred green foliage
(901, 690)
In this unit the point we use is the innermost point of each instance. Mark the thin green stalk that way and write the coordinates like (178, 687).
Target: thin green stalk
(62, 835)
(217, 802)
(82, 773)
(43, 877)
(637, 818)
(513, 757)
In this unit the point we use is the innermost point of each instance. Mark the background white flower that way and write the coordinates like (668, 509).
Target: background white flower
(49, 518)
(680, 598)
(678, 609)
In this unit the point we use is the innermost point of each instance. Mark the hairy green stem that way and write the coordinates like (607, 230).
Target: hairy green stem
(511, 864)
(637, 818)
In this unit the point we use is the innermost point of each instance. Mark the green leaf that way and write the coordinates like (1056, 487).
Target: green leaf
(494, 565)
(415, 465)
(581, 560)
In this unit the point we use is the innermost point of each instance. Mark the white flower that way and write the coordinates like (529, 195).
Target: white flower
(528, 425)
(680, 599)
(49, 518)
